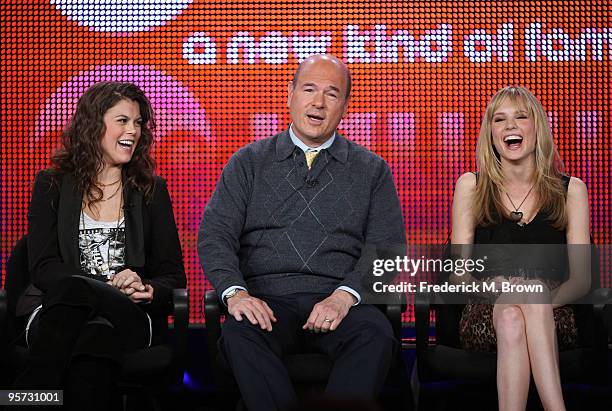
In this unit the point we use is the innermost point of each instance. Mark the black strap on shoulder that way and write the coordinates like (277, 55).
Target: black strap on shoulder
(566, 180)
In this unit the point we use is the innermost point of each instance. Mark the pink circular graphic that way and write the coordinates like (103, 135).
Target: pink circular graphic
(121, 16)
(176, 108)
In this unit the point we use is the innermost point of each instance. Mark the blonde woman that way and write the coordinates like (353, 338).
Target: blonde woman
(520, 195)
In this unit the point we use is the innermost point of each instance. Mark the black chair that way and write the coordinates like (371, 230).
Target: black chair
(144, 374)
(308, 371)
(445, 365)
(4, 374)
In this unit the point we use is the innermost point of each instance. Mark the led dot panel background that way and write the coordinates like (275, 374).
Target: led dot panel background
(217, 74)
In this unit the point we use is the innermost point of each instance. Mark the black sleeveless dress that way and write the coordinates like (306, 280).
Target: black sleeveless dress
(476, 332)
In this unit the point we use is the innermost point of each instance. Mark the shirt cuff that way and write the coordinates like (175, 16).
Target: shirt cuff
(229, 290)
(351, 292)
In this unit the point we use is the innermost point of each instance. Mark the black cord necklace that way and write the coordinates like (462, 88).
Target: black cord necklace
(517, 215)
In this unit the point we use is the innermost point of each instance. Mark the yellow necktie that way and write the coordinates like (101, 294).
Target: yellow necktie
(310, 156)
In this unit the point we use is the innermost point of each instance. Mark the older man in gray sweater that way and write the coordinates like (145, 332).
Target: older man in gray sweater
(280, 241)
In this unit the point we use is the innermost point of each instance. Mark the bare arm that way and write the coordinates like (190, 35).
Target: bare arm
(579, 256)
(463, 223)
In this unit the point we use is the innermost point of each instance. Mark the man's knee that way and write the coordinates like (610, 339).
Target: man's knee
(239, 334)
(371, 326)
(242, 341)
(234, 328)
(379, 334)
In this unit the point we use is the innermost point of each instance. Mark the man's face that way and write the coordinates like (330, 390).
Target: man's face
(318, 101)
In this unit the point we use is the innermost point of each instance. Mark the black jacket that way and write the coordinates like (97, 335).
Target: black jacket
(152, 250)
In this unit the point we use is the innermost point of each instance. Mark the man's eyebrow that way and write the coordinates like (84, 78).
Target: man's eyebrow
(334, 88)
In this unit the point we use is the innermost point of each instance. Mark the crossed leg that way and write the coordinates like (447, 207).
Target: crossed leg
(526, 342)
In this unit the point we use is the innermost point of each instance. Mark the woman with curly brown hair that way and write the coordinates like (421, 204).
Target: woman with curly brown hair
(104, 253)
(521, 196)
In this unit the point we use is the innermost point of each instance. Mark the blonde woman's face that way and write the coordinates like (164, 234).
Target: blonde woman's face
(513, 130)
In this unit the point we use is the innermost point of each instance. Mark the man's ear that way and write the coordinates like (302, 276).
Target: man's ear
(346, 104)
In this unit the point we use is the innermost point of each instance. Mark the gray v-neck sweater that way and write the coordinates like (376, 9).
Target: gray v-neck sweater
(275, 227)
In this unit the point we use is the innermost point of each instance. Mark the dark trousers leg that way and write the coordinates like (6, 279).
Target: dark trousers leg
(127, 318)
(61, 329)
(255, 356)
(51, 349)
(90, 384)
(362, 348)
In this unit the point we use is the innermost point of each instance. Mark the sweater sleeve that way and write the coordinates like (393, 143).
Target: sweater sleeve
(221, 226)
(384, 226)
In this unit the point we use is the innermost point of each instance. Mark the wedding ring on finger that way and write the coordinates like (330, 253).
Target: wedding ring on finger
(327, 320)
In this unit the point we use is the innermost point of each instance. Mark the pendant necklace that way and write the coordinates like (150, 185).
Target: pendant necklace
(517, 215)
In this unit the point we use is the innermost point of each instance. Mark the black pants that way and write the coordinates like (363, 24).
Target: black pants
(361, 349)
(78, 339)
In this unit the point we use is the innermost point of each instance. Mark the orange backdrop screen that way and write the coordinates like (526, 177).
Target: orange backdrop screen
(217, 76)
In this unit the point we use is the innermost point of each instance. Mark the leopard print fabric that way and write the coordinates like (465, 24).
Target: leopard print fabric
(476, 332)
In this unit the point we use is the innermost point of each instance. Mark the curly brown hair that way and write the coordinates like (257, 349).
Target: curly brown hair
(80, 152)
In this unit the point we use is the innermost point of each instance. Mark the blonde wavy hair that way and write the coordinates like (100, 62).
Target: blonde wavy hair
(548, 183)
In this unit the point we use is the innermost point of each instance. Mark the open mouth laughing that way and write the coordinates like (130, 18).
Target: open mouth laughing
(513, 142)
(126, 143)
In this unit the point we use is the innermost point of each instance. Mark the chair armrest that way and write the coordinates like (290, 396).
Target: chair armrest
(212, 317)
(603, 302)
(3, 314)
(180, 311)
(422, 307)
(393, 312)
(212, 313)
(180, 308)
(602, 297)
